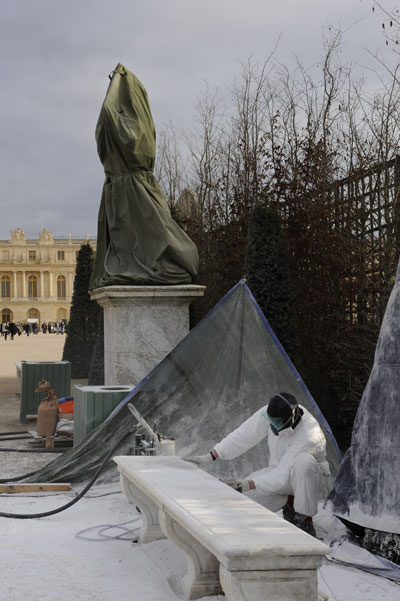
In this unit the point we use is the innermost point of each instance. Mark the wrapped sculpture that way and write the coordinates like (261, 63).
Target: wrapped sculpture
(138, 241)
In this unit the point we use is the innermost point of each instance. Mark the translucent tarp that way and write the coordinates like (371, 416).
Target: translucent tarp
(349, 553)
(226, 368)
(367, 487)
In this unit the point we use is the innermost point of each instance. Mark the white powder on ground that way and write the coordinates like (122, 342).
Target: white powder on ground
(69, 556)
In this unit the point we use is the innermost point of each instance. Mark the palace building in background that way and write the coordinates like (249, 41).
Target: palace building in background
(37, 276)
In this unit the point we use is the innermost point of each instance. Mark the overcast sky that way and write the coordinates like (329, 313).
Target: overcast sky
(56, 56)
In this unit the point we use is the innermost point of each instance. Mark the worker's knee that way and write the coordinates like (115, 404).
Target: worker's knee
(306, 464)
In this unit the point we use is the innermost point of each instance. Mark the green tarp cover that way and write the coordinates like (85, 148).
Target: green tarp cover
(138, 241)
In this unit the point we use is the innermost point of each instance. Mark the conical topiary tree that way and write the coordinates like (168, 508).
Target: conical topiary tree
(83, 322)
(268, 276)
(96, 370)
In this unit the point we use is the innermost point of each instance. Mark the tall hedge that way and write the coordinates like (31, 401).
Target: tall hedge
(268, 276)
(84, 316)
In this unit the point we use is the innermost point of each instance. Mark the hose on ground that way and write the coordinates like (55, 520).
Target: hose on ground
(17, 478)
(11, 450)
(14, 432)
(26, 516)
(16, 438)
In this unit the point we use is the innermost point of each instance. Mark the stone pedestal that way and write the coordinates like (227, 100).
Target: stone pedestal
(142, 324)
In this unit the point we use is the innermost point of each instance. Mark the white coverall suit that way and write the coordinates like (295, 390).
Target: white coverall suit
(297, 463)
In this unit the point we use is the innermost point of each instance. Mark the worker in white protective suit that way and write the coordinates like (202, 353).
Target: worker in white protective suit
(297, 470)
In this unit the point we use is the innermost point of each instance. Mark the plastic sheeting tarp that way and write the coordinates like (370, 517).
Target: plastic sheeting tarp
(349, 553)
(138, 242)
(367, 487)
(226, 368)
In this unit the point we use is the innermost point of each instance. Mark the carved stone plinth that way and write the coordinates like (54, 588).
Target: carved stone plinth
(202, 572)
(142, 324)
(150, 529)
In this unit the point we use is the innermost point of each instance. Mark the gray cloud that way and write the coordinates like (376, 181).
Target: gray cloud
(56, 56)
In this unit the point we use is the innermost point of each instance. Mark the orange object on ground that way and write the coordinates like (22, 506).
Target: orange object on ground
(67, 407)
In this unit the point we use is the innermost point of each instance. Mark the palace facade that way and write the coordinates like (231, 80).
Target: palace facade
(37, 276)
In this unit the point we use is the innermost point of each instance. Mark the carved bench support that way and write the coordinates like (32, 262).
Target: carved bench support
(150, 529)
(260, 556)
(201, 578)
(291, 585)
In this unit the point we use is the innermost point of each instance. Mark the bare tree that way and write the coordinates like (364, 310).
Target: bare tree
(308, 141)
(204, 151)
(391, 22)
(170, 169)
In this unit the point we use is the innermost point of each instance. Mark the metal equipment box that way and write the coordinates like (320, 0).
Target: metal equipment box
(92, 404)
(57, 373)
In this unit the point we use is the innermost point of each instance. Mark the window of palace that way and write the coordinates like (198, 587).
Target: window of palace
(5, 255)
(61, 314)
(61, 287)
(32, 255)
(5, 286)
(33, 314)
(32, 286)
(60, 255)
(6, 315)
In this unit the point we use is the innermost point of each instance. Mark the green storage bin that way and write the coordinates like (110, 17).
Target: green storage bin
(92, 404)
(57, 373)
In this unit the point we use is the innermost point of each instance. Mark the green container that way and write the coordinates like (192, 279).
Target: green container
(57, 373)
(92, 404)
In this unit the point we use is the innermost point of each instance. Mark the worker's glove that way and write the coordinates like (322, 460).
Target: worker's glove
(239, 485)
(200, 460)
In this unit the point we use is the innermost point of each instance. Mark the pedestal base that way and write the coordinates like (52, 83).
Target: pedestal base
(142, 324)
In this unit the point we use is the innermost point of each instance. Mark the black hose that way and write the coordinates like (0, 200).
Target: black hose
(14, 432)
(27, 516)
(40, 450)
(16, 438)
(17, 478)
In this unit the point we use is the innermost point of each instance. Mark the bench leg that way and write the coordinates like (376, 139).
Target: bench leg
(202, 577)
(274, 585)
(150, 529)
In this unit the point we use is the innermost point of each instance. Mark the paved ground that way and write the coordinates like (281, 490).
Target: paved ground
(40, 347)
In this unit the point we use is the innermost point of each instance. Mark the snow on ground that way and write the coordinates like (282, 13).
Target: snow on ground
(85, 554)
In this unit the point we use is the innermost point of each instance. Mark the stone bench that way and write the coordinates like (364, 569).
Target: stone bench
(231, 542)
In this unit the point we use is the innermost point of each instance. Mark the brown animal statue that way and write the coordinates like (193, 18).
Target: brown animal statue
(48, 410)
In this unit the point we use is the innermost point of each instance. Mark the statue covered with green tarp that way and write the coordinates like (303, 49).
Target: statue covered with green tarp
(138, 242)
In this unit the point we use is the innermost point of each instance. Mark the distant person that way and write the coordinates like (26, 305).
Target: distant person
(4, 329)
(57, 327)
(62, 327)
(12, 328)
(49, 328)
(44, 327)
(35, 328)
(27, 329)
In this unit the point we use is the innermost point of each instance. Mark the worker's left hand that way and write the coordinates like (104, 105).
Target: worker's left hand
(239, 485)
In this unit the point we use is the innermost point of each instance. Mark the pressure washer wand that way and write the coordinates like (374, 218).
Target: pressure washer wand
(143, 423)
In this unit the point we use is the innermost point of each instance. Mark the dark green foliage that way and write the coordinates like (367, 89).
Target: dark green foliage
(96, 371)
(268, 276)
(82, 326)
